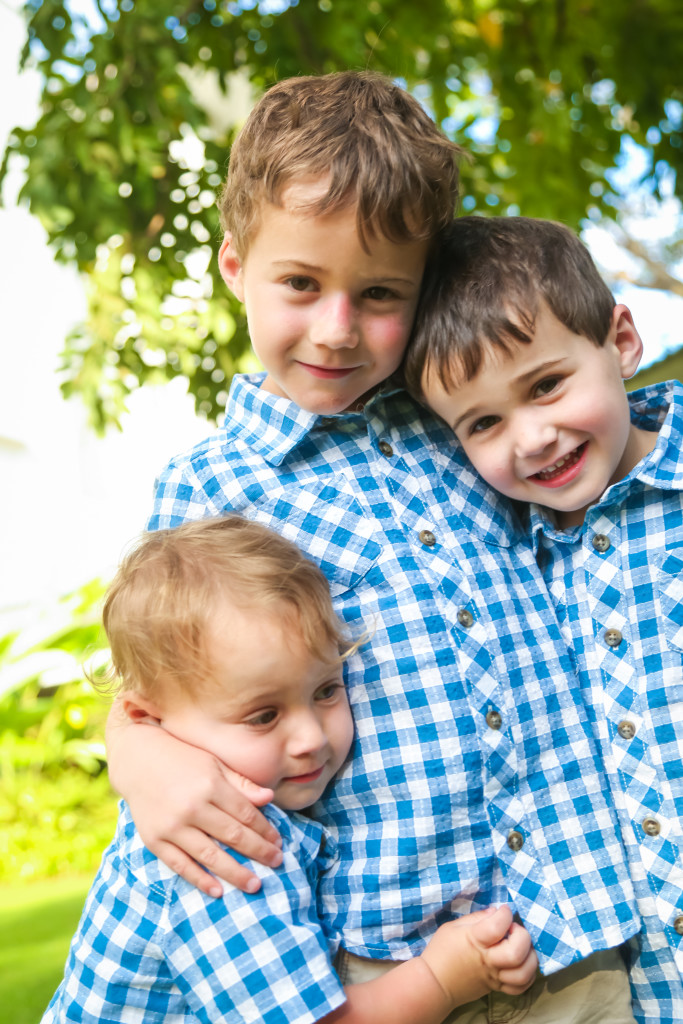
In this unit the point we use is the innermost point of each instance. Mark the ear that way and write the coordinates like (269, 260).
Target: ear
(140, 709)
(626, 340)
(230, 267)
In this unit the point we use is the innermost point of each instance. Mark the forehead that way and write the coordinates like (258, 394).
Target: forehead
(249, 654)
(297, 198)
(309, 200)
(329, 243)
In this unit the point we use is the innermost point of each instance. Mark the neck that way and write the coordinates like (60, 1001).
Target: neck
(639, 444)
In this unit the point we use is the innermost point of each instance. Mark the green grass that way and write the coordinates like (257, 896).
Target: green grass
(37, 921)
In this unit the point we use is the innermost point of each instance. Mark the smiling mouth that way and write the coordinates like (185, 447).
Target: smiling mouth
(560, 469)
(328, 372)
(308, 777)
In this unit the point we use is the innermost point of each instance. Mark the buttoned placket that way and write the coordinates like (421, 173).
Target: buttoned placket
(651, 826)
(499, 729)
(471, 628)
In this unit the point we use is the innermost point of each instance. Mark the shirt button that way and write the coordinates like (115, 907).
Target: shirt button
(613, 637)
(626, 730)
(601, 542)
(651, 826)
(427, 538)
(494, 719)
(386, 449)
(465, 618)
(678, 924)
(515, 841)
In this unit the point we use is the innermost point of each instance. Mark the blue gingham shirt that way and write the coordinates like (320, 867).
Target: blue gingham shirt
(623, 571)
(475, 776)
(151, 948)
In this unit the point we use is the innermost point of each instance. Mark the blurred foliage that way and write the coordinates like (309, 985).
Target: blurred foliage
(57, 810)
(141, 100)
(668, 368)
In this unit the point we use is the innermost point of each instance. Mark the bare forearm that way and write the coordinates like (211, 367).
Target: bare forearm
(407, 994)
(465, 959)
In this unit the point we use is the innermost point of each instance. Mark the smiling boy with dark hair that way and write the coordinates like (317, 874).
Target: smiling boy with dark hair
(522, 350)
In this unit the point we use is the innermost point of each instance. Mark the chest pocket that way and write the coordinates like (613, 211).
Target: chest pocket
(670, 586)
(329, 525)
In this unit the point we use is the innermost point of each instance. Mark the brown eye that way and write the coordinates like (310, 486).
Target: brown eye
(546, 386)
(485, 423)
(263, 717)
(328, 691)
(300, 283)
(379, 293)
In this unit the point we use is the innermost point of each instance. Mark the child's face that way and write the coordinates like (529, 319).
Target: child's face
(550, 424)
(328, 320)
(276, 714)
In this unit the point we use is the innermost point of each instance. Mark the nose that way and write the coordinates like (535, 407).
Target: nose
(534, 435)
(307, 735)
(335, 323)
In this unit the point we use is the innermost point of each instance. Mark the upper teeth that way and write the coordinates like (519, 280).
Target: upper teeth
(556, 465)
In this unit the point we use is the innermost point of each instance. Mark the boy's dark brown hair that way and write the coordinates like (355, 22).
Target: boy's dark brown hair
(158, 610)
(483, 286)
(374, 141)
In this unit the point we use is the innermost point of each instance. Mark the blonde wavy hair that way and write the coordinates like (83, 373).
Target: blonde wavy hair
(162, 599)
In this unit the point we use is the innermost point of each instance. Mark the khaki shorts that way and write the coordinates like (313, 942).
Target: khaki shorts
(594, 991)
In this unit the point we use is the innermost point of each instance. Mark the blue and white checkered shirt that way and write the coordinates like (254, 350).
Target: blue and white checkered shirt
(151, 948)
(622, 571)
(475, 777)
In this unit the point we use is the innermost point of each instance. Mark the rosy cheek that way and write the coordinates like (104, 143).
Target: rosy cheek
(391, 333)
(500, 474)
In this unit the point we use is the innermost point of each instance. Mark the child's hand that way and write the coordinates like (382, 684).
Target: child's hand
(480, 953)
(182, 798)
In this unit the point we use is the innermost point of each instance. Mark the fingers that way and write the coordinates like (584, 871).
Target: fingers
(183, 799)
(467, 920)
(193, 853)
(242, 827)
(213, 805)
(188, 846)
(489, 929)
(254, 793)
(238, 875)
(517, 980)
(243, 837)
(514, 961)
(183, 833)
(513, 951)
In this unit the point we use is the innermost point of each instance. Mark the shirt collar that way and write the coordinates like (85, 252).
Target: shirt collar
(274, 426)
(657, 407)
(660, 407)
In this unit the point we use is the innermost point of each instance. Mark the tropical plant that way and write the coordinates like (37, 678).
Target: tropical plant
(56, 806)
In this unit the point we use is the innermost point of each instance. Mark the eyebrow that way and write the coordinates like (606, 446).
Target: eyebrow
(549, 364)
(313, 268)
(468, 414)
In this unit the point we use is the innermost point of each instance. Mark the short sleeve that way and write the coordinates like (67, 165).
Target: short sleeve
(262, 957)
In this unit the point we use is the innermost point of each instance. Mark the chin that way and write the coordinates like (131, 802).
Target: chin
(301, 801)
